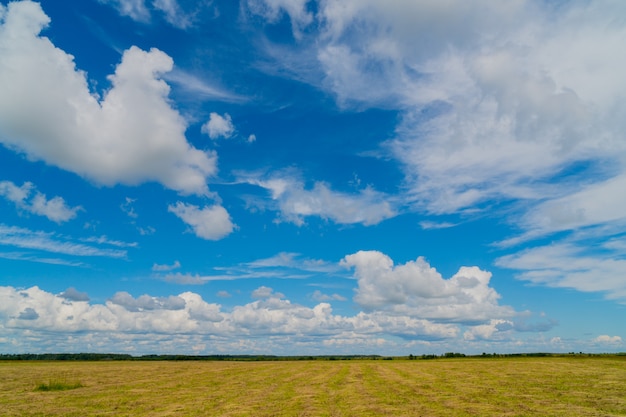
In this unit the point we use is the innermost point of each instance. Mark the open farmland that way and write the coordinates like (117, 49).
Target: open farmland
(553, 386)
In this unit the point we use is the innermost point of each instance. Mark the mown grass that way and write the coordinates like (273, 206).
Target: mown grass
(593, 386)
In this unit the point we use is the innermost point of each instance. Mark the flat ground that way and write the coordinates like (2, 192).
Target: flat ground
(576, 386)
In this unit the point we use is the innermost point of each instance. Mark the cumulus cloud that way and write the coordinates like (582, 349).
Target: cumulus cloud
(486, 331)
(211, 223)
(130, 136)
(271, 321)
(28, 314)
(55, 209)
(218, 126)
(146, 302)
(266, 292)
(295, 202)
(610, 340)
(416, 289)
(73, 294)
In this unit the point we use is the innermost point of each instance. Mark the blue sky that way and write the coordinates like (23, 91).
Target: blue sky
(312, 177)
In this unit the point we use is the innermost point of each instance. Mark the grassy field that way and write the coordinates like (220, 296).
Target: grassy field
(443, 387)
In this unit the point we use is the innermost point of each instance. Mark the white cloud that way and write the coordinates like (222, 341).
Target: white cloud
(291, 261)
(610, 340)
(321, 297)
(103, 240)
(199, 88)
(55, 209)
(572, 265)
(128, 208)
(139, 11)
(28, 257)
(266, 292)
(146, 231)
(517, 106)
(130, 136)
(427, 225)
(218, 126)
(73, 294)
(596, 204)
(15, 194)
(53, 243)
(271, 322)
(272, 10)
(284, 265)
(295, 202)
(166, 268)
(418, 290)
(496, 100)
(135, 9)
(186, 279)
(146, 302)
(211, 223)
(174, 14)
(486, 331)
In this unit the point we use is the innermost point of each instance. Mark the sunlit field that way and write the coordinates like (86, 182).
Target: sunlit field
(553, 386)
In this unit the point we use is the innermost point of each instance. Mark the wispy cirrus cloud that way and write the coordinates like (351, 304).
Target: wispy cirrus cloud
(197, 87)
(284, 265)
(572, 265)
(103, 240)
(29, 257)
(53, 243)
(142, 11)
(511, 110)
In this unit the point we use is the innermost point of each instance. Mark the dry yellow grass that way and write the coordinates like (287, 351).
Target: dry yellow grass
(450, 387)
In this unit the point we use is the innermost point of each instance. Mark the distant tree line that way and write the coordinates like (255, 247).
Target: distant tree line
(127, 357)
(66, 357)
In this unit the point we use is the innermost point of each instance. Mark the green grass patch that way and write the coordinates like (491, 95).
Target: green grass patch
(58, 385)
